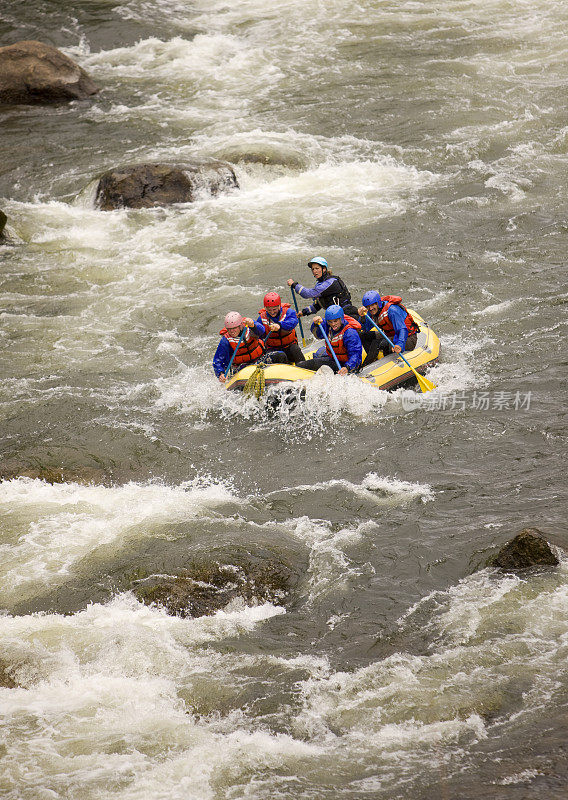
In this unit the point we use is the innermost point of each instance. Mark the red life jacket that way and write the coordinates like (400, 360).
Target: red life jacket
(249, 349)
(336, 340)
(277, 339)
(384, 322)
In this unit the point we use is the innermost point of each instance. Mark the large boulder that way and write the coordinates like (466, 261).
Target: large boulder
(32, 72)
(3, 221)
(151, 185)
(206, 588)
(529, 548)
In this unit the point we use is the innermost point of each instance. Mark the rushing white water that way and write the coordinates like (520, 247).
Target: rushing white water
(421, 148)
(116, 697)
(49, 530)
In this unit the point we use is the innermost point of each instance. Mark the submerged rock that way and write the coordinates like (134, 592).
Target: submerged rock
(10, 470)
(151, 185)
(35, 73)
(206, 588)
(529, 548)
(7, 680)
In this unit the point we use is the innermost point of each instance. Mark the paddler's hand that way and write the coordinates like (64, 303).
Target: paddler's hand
(343, 371)
(318, 320)
(397, 348)
(291, 281)
(248, 322)
(274, 326)
(362, 311)
(222, 377)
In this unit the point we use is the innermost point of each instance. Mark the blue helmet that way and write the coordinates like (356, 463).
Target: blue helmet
(318, 260)
(334, 312)
(371, 297)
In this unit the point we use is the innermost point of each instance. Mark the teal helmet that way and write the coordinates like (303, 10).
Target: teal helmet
(371, 297)
(334, 312)
(318, 260)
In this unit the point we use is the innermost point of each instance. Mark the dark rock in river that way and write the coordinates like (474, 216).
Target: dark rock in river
(529, 548)
(7, 680)
(151, 185)
(36, 73)
(204, 589)
(3, 221)
(12, 469)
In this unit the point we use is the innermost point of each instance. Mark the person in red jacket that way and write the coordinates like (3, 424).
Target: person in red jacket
(280, 322)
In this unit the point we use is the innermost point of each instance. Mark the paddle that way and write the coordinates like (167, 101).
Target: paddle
(423, 382)
(298, 312)
(243, 332)
(331, 350)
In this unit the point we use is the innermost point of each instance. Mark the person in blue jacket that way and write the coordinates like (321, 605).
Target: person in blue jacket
(343, 334)
(392, 318)
(249, 350)
(329, 290)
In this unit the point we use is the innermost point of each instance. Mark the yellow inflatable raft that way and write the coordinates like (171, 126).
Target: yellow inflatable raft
(385, 373)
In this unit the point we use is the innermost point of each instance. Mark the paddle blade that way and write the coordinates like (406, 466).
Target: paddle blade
(424, 383)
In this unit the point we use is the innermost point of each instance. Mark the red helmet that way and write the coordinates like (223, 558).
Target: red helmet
(272, 300)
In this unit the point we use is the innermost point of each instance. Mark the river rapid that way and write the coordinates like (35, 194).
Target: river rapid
(421, 147)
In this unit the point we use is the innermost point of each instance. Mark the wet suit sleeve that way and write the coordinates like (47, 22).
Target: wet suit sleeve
(222, 357)
(397, 316)
(258, 330)
(320, 287)
(352, 342)
(290, 321)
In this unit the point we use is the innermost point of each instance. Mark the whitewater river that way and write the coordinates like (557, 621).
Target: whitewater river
(421, 147)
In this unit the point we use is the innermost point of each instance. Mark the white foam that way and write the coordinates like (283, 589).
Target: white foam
(440, 299)
(52, 528)
(525, 776)
(463, 362)
(375, 488)
(210, 78)
(58, 525)
(403, 490)
(197, 392)
(485, 634)
(205, 62)
(509, 185)
(102, 695)
(391, 706)
(323, 401)
(128, 263)
(329, 195)
(495, 309)
(109, 695)
(121, 643)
